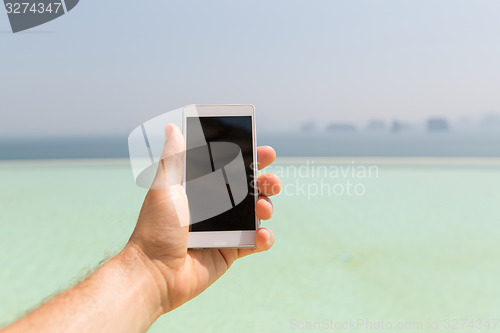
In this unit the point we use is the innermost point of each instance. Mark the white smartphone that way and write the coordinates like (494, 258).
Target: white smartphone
(220, 174)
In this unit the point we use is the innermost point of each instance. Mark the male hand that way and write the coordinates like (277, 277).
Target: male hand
(160, 237)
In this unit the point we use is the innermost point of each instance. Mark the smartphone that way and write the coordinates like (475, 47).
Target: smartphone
(220, 175)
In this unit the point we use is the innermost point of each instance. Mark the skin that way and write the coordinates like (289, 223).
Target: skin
(155, 272)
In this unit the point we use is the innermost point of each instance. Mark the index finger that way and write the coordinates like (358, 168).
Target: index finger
(265, 156)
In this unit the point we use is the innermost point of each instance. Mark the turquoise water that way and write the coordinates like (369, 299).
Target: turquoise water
(419, 243)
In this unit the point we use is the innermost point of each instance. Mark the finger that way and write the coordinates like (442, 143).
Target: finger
(167, 192)
(173, 153)
(268, 184)
(265, 156)
(264, 239)
(170, 166)
(174, 141)
(264, 208)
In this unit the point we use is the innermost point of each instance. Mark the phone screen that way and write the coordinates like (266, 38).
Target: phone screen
(220, 131)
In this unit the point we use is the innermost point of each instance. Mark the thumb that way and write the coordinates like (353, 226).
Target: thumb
(170, 165)
(166, 191)
(162, 225)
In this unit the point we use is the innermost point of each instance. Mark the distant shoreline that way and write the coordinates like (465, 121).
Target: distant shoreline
(311, 160)
(356, 145)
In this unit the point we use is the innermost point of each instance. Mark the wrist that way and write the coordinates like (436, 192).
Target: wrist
(146, 278)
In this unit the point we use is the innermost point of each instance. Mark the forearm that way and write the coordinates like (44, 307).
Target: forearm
(123, 295)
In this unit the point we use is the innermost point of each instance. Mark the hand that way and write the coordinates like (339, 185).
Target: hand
(160, 236)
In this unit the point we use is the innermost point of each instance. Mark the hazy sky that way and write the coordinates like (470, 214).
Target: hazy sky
(107, 66)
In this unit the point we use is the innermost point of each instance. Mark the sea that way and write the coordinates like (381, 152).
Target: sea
(364, 243)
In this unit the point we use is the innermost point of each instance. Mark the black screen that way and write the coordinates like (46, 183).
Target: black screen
(221, 131)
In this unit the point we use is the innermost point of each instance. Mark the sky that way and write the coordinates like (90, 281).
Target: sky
(107, 66)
